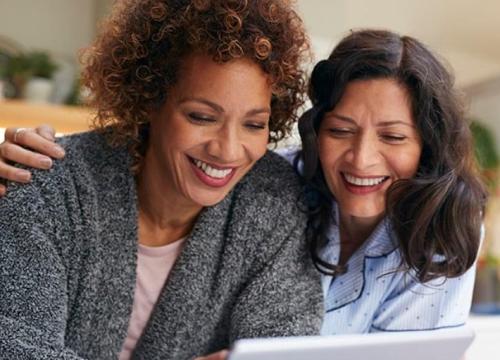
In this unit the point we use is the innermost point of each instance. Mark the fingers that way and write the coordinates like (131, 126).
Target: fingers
(46, 131)
(9, 172)
(39, 140)
(29, 147)
(17, 154)
(220, 355)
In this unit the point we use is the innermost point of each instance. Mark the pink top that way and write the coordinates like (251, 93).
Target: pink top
(153, 266)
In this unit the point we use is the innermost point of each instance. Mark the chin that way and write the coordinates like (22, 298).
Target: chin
(205, 200)
(361, 211)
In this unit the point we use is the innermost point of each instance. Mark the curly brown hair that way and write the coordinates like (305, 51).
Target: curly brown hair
(136, 57)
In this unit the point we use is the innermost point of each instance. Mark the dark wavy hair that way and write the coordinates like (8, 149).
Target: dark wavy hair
(136, 57)
(436, 215)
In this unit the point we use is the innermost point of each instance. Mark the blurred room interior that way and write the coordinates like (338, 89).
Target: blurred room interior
(465, 33)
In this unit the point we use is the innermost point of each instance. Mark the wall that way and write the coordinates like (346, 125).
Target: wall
(462, 31)
(59, 26)
(484, 105)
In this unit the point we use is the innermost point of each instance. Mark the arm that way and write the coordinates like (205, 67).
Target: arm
(30, 147)
(438, 304)
(284, 299)
(33, 294)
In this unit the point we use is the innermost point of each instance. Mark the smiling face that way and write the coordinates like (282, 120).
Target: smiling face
(366, 143)
(210, 131)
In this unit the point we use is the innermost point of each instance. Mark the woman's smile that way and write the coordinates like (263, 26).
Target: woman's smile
(361, 185)
(211, 174)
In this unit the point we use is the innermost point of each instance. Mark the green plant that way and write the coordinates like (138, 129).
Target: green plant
(26, 65)
(41, 64)
(18, 66)
(486, 152)
(17, 73)
(484, 143)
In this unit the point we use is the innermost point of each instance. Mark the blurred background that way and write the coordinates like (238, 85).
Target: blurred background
(40, 40)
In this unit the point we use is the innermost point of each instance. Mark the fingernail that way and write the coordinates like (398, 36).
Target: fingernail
(59, 151)
(23, 175)
(45, 162)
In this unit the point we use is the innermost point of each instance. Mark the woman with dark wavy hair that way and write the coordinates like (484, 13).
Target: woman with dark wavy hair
(169, 231)
(394, 198)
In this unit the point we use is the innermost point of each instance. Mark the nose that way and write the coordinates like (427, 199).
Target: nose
(225, 145)
(364, 152)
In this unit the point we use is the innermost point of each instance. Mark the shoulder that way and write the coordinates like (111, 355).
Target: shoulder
(272, 187)
(90, 150)
(440, 303)
(273, 175)
(289, 153)
(266, 206)
(88, 165)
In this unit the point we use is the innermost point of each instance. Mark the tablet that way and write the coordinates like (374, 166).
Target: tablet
(443, 344)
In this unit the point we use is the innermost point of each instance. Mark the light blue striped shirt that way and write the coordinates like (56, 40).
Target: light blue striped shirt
(374, 295)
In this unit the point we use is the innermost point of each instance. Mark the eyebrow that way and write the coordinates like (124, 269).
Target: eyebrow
(380, 124)
(220, 109)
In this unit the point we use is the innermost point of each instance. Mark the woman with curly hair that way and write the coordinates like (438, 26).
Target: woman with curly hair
(169, 231)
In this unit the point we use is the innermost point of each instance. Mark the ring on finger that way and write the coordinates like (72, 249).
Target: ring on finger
(17, 132)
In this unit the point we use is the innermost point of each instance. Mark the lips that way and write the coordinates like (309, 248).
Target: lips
(210, 174)
(363, 185)
(211, 171)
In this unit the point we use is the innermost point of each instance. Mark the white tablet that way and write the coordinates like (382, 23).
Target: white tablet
(444, 344)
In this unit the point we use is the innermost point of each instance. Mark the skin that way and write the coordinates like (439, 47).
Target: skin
(370, 134)
(218, 116)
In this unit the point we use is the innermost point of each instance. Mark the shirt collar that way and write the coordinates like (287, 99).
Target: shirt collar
(381, 242)
(351, 284)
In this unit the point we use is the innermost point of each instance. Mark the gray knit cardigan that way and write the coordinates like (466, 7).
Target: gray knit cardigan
(68, 245)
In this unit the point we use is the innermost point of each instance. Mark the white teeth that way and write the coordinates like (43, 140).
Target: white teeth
(212, 172)
(363, 181)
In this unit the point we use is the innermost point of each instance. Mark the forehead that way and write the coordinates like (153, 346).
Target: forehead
(380, 99)
(200, 74)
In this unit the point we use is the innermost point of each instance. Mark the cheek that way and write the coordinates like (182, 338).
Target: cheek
(406, 163)
(257, 147)
(178, 134)
(329, 155)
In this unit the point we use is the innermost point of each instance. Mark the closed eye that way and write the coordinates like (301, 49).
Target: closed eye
(341, 132)
(200, 118)
(393, 138)
(256, 125)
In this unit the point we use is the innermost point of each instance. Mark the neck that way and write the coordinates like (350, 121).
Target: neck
(164, 215)
(354, 231)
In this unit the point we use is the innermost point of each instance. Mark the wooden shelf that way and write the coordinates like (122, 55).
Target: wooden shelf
(65, 119)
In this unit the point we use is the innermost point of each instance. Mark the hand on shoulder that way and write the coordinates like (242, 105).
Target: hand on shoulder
(31, 147)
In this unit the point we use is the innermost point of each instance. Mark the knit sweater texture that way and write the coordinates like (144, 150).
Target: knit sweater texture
(68, 253)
